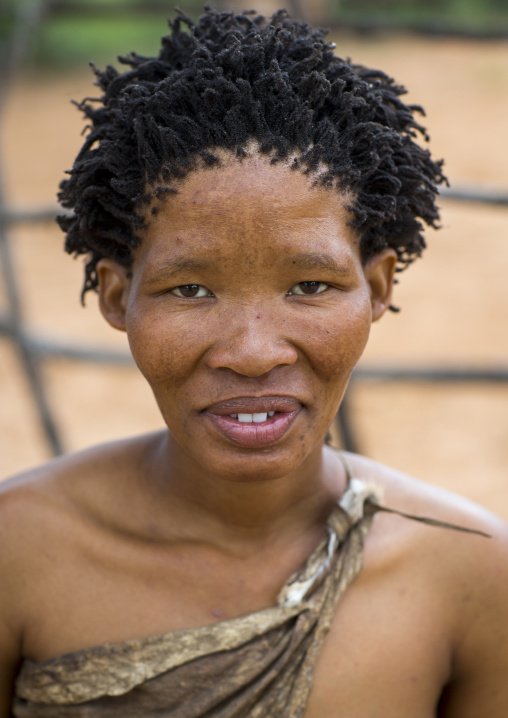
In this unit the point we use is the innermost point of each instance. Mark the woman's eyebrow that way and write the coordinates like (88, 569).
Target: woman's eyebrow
(313, 260)
(304, 260)
(173, 267)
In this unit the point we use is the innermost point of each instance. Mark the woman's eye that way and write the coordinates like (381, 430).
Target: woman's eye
(191, 291)
(308, 288)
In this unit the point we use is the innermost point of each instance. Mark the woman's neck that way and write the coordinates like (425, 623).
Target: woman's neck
(226, 513)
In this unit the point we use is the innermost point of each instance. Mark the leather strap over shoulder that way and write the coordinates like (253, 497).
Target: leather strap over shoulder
(372, 506)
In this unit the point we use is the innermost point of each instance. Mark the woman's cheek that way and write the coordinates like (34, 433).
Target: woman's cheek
(163, 349)
(338, 341)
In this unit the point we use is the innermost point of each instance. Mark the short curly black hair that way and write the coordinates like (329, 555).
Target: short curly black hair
(229, 80)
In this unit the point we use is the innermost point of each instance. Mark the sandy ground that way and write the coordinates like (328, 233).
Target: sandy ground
(454, 302)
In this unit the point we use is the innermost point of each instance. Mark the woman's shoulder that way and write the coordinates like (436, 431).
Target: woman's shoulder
(458, 578)
(41, 504)
(60, 473)
(410, 495)
(469, 567)
(53, 514)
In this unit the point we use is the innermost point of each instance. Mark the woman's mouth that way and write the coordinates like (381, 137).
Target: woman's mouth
(253, 429)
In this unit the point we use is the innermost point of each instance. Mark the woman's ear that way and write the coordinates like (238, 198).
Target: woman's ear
(379, 273)
(113, 289)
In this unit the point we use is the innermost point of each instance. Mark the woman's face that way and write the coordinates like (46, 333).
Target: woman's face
(247, 310)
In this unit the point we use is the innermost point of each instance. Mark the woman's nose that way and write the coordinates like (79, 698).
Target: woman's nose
(252, 344)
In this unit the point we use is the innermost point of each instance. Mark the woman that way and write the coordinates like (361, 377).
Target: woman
(244, 201)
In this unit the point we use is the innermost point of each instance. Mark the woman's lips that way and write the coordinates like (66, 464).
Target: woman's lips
(243, 421)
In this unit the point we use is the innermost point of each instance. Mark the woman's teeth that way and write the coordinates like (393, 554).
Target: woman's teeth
(252, 418)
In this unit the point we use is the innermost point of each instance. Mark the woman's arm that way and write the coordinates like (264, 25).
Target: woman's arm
(13, 533)
(9, 662)
(480, 683)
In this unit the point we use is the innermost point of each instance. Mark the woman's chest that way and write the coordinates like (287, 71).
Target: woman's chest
(123, 595)
(387, 655)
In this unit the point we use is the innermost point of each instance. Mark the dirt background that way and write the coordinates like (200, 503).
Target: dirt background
(454, 302)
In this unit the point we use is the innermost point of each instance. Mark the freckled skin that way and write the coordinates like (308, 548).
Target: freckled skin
(183, 527)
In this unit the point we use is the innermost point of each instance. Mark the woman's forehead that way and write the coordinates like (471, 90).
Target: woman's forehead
(248, 210)
(249, 189)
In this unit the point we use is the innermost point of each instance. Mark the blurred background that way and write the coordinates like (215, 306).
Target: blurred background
(430, 396)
